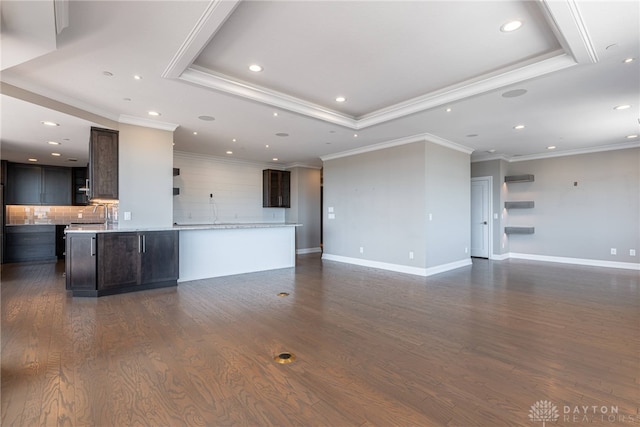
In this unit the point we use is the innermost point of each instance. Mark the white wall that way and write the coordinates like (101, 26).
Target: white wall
(145, 187)
(236, 187)
(573, 223)
(579, 221)
(382, 200)
(305, 208)
(448, 190)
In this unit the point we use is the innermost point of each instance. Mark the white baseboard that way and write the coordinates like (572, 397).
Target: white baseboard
(499, 257)
(578, 261)
(418, 271)
(308, 251)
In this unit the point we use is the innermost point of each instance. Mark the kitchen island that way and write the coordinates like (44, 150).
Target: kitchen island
(104, 260)
(215, 250)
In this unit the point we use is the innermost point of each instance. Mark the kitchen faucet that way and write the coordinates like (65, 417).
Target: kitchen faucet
(106, 217)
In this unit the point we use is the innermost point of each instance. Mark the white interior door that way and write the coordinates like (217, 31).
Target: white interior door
(480, 216)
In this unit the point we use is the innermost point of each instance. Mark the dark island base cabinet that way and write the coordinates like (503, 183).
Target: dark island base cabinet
(111, 263)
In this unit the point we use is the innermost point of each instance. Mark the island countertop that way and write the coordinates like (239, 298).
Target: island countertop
(118, 228)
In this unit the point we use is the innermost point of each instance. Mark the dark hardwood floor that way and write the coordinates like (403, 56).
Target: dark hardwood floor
(477, 346)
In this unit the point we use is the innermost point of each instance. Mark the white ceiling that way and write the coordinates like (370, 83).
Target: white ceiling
(400, 65)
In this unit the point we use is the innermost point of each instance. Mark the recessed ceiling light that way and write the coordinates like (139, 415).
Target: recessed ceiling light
(107, 73)
(55, 154)
(355, 135)
(519, 127)
(511, 26)
(126, 99)
(491, 151)
(340, 99)
(233, 140)
(631, 136)
(32, 159)
(551, 147)
(514, 93)
(471, 135)
(448, 110)
(255, 68)
(50, 123)
(195, 133)
(282, 134)
(266, 146)
(628, 60)
(275, 159)
(72, 159)
(622, 107)
(154, 113)
(229, 152)
(275, 114)
(53, 143)
(207, 118)
(137, 77)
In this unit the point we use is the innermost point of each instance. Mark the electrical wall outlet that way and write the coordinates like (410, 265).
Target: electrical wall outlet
(361, 250)
(410, 254)
(632, 252)
(79, 214)
(614, 251)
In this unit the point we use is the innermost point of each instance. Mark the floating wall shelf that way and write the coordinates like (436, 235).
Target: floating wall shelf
(519, 230)
(519, 205)
(518, 178)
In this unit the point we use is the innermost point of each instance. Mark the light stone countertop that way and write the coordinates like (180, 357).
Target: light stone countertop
(118, 228)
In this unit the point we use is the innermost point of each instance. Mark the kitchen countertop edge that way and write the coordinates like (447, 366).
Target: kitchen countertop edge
(180, 227)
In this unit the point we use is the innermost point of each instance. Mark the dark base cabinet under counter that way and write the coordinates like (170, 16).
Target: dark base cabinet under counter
(26, 243)
(115, 262)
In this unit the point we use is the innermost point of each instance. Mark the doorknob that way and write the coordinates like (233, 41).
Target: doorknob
(484, 222)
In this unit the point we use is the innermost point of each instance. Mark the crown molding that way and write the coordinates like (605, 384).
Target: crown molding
(544, 64)
(423, 137)
(563, 16)
(211, 157)
(214, 16)
(569, 28)
(203, 77)
(302, 165)
(599, 149)
(147, 123)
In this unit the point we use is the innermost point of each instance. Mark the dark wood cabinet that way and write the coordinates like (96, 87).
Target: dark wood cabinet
(103, 164)
(276, 188)
(119, 260)
(159, 259)
(81, 262)
(24, 184)
(56, 186)
(123, 262)
(30, 243)
(38, 185)
(79, 178)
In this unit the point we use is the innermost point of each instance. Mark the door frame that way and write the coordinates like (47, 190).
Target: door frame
(490, 220)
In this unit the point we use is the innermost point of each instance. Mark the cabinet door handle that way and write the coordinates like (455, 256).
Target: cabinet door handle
(93, 246)
(139, 244)
(144, 244)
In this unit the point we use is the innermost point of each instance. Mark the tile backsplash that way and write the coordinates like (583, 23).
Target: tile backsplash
(22, 214)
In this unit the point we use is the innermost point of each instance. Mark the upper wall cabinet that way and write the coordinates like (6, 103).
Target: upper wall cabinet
(103, 164)
(38, 185)
(276, 188)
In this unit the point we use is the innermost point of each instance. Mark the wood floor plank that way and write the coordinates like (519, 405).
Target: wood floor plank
(475, 346)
